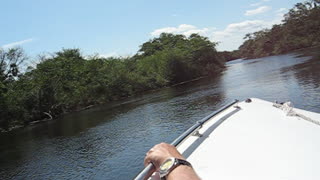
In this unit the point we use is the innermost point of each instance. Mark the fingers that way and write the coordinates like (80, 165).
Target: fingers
(149, 156)
(157, 154)
(146, 160)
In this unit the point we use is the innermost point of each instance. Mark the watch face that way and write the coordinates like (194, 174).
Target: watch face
(167, 164)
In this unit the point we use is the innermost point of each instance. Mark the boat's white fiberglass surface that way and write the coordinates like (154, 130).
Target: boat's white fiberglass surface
(257, 141)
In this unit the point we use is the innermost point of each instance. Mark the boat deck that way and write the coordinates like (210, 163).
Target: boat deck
(256, 141)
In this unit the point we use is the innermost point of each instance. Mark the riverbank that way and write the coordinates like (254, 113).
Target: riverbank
(304, 52)
(50, 117)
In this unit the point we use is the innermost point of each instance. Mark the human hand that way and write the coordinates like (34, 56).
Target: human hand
(159, 153)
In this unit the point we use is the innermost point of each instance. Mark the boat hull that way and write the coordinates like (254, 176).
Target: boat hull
(256, 140)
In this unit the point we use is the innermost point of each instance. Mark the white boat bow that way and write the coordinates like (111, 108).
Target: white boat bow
(256, 140)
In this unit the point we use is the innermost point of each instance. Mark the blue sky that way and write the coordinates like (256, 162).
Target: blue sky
(119, 27)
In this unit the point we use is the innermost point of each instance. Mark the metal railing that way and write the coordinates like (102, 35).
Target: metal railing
(149, 169)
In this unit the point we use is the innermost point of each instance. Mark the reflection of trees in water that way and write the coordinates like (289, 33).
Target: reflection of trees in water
(10, 148)
(211, 93)
(60, 144)
(308, 73)
(61, 147)
(307, 88)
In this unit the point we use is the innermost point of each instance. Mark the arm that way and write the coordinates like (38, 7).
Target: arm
(160, 152)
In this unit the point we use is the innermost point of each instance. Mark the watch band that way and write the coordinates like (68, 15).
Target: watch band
(183, 162)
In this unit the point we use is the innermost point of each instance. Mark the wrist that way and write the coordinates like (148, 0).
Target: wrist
(181, 171)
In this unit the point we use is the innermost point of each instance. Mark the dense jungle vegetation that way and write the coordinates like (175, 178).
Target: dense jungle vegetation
(68, 81)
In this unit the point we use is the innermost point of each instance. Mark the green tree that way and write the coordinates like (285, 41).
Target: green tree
(300, 29)
(180, 57)
(10, 64)
(10, 60)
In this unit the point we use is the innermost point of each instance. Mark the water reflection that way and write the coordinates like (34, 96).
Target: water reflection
(308, 72)
(307, 81)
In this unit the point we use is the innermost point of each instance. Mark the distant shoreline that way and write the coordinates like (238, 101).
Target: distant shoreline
(293, 51)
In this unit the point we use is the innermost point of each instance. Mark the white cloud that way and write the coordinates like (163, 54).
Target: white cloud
(120, 53)
(236, 28)
(281, 11)
(258, 10)
(184, 29)
(231, 37)
(259, 3)
(111, 54)
(256, 4)
(279, 15)
(18, 43)
(245, 26)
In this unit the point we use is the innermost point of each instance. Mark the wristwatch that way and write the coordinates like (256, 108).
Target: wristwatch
(168, 165)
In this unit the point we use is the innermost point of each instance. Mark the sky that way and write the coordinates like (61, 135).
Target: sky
(119, 27)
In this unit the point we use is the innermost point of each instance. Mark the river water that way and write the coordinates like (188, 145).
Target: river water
(110, 141)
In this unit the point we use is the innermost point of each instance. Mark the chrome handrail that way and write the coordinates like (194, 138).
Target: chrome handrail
(149, 169)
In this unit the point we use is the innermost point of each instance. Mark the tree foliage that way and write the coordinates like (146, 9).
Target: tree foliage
(300, 29)
(68, 81)
(9, 62)
(179, 59)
